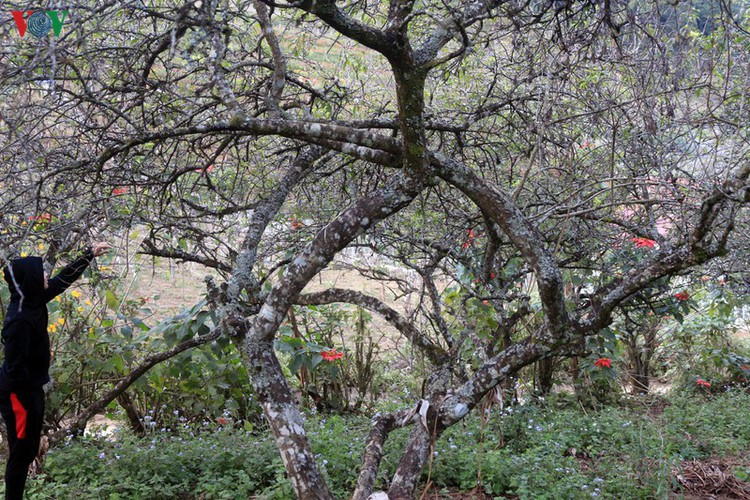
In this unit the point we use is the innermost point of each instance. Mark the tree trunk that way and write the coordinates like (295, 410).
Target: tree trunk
(284, 418)
(427, 430)
(545, 370)
(409, 469)
(640, 358)
(381, 427)
(133, 417)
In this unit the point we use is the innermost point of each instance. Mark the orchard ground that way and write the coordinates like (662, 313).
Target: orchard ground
(688, 445)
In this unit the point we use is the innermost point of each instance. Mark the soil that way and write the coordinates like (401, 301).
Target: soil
(656, 407)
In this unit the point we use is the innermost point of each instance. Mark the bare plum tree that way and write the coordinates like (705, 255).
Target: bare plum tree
(508, 156)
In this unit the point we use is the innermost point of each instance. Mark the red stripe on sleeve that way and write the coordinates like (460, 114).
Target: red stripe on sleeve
(20, 413)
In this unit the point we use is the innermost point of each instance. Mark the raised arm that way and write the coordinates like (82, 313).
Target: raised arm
(73, 271)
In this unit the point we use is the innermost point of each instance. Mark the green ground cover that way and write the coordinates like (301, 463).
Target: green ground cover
(546, 449)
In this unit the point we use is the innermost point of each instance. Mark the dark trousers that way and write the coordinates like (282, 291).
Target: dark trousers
(23, 413)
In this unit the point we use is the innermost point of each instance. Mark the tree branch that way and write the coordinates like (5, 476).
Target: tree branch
(78, 423)
(434, 352)
(524, 236)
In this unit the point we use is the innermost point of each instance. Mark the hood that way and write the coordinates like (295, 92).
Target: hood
(28, 275)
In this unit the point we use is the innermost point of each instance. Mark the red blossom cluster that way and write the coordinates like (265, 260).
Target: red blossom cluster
(603, 363)
(295, 223)
(683, 295)
(470, 237)
(332, 355)
(40, 218)
(702, 383)
(119, 190)
(643, 242)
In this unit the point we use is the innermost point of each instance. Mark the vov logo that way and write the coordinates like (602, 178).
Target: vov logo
(39, 22)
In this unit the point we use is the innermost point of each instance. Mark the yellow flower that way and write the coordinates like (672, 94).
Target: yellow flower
(88, 302)
(76, 293)
(61, 321)
(104, 268)
(79, 309)
(40, 246)
(57, 299)
(24, 254)
(52, 328)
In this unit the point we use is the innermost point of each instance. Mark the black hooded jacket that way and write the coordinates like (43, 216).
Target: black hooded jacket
(25, 338)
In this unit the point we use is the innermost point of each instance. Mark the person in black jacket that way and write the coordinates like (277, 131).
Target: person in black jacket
(27, 357)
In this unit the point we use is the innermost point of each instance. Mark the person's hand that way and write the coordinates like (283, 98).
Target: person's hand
(100, 248)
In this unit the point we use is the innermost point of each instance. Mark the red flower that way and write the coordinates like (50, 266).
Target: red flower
(643, 242)
(470, 236)
(295, 223)
(222, 421)
(603, 363)
(332, 355)
(119, 190)
(683, 295)
(209, 168)
(40, 218)
(702, 383)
